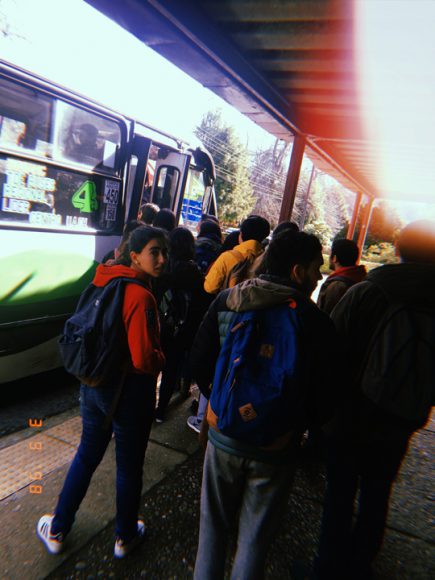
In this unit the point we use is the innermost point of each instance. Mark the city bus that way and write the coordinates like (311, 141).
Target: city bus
(72, 173)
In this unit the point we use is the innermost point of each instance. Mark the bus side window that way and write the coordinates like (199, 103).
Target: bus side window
(85, 137)
(12, 132)
(26, 117)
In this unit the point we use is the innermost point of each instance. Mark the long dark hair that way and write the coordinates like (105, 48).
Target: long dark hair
(138, 239)
(182, 244)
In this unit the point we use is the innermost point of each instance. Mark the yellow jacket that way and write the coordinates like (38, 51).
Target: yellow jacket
(219, 271)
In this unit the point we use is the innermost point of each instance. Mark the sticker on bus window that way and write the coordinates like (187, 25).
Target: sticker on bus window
(85, 198)
(73, 221)
(44, 219)
(110, 213)
(111, 193)
(27, 188)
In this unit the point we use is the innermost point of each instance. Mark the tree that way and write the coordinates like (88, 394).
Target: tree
(384, 223)
(268, 174)
(327, 208)
(316, 221)
(233, 188)
(7, 30)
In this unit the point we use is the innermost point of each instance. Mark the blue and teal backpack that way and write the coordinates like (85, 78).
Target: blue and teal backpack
(258, 390)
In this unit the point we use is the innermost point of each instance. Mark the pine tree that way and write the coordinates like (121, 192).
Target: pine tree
(233, 187)
(268, 176)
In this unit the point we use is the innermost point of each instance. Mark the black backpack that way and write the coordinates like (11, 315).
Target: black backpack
(206, 252)
(94, 345)
(174, 310)
(398, 370)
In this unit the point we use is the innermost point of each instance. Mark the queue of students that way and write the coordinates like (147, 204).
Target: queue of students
(201, 302)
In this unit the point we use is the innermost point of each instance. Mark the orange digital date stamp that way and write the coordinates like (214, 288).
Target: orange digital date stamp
(35, 446)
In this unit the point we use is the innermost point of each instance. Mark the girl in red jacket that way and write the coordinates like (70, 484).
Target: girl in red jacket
(144, 259)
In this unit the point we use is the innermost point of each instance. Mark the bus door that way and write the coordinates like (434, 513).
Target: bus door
(138, 176)
(199, 197)
(169, 180)
(196, 200)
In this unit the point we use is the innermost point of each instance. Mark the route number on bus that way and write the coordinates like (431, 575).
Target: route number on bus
(85, 198)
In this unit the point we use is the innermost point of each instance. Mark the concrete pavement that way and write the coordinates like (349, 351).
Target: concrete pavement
(170, 505)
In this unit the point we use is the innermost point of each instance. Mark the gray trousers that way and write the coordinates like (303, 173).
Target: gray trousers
(258, 492)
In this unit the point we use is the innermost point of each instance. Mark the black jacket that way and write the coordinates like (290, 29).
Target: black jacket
(207, 249)
(356, 318)
(186, 276)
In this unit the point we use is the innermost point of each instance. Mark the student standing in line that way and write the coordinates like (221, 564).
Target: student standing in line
(387, 324)
(253, 231)
(246, 482)
(143, 259)
(345, 273)
(165, 219)
(182, 303)
(148, 212)
(208, 244)
(114, 254)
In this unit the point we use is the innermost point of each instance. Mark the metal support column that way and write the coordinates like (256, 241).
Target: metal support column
(291, 183)
(355, 212)
(365, 224)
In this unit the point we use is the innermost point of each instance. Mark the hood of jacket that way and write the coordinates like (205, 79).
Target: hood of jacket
(355, 273)
(258, 293)
(249, 248)
(104, 274)
(407, 282)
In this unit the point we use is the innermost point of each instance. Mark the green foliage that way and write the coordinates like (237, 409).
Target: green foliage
(326, 208)
(384, 224)
(316, 221)
(381, 253)
(233, 187)
(325, 269)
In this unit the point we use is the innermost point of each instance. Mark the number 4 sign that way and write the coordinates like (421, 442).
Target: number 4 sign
(85, 198)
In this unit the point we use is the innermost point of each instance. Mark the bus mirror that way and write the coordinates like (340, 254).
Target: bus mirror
(204, 160)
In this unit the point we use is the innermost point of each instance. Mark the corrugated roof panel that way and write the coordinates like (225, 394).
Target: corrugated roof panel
(288, 64)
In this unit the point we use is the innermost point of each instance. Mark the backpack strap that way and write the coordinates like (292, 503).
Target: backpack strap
(345, 279)
(114, 404)
(240, 258)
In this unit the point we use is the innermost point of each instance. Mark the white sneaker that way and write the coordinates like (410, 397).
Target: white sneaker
(53, 543)
(194, 423)
(123, 548)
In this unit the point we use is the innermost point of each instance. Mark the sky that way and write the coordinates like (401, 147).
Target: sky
(395, 46)
(72, 44)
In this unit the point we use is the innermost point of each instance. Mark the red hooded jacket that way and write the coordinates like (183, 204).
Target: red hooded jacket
(141, 320)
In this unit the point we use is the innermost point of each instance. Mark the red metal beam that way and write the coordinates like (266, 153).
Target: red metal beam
(291, 183)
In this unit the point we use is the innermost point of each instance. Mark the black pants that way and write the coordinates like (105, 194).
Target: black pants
(175, 354)
(347, 548)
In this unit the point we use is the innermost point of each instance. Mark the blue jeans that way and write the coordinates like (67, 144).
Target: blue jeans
(131, 424)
